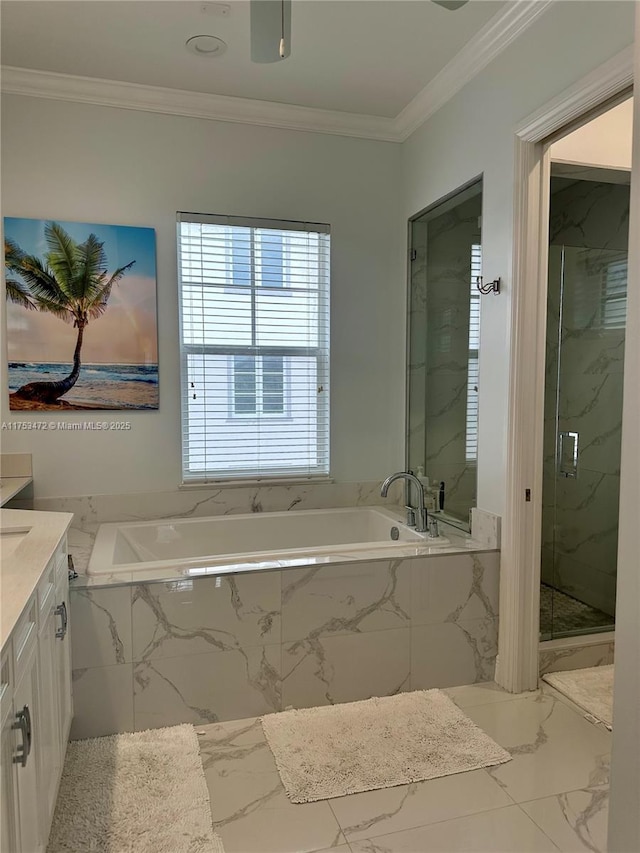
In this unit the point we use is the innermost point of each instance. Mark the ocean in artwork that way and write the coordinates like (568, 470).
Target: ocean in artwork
(99, 386)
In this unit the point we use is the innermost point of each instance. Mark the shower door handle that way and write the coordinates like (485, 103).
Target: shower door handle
(568, 454)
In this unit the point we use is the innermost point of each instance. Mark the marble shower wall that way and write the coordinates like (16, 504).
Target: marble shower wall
(439, 351)
(235, 646)
(589, 237)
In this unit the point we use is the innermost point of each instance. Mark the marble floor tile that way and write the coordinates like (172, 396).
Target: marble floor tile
(482, 694)
(505, 830)
(554, 749)
(206, 688)
(343, 848)
(250, 809)
(272, 824)
(576, 821)
(406, 806)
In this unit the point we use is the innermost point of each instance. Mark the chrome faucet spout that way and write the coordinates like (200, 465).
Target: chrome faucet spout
(418, 513)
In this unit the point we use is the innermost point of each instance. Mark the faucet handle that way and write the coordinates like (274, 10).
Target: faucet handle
(433, 527)
(411, 516)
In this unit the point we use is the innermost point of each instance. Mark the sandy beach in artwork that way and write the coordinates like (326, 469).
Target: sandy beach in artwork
(130, 395)
(99, 386)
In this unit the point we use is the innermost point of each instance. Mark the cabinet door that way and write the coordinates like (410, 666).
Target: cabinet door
(8, 840)
(63, 661)
(25, 706)
(48, 713)
(8, 781)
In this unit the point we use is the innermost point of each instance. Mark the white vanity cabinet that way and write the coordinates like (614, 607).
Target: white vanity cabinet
(8, 780)
(49, 743)
(26, 710)
(63, 649)
(36, 711)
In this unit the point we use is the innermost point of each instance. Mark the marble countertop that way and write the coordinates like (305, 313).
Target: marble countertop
(28, 540)
(10, 486)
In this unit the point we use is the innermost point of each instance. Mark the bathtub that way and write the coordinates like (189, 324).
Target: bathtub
(254, 538)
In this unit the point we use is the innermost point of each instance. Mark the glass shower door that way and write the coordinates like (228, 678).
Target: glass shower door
(583, 418)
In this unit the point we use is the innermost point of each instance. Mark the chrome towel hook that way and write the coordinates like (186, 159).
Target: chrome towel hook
(489, 287)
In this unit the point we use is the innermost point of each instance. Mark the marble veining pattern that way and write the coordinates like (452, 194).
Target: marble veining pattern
(576, 657)
(584, 369)
(228, 646)
(92, 510)
(345, 599)
(473, 811)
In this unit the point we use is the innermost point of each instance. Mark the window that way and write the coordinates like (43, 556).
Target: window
(473, 369)
(254, 298)
(614, 294)
(258, 385)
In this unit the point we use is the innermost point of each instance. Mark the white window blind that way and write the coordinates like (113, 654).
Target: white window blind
(254, 300)
(473, 369)
(614, 295)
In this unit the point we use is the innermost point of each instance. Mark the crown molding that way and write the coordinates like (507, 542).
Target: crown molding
(493, 38)
(604, 82)
(488, 43)
(155, 99)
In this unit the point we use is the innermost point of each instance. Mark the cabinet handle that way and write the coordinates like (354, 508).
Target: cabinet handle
(61, 610)
(24, 724)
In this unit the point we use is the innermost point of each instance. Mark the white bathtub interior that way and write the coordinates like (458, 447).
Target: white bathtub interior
(239, 538)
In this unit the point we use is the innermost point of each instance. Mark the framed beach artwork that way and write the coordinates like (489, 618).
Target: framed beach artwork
(81, 316)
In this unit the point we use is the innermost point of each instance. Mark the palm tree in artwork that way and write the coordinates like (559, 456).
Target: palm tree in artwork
(71, 282)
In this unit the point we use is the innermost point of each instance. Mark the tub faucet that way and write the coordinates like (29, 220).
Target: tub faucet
(416, 516)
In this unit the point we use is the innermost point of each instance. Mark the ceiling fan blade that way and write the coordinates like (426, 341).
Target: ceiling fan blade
(452, 5)
(268, 19)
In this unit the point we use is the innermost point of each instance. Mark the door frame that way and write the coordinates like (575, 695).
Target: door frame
(517, 661)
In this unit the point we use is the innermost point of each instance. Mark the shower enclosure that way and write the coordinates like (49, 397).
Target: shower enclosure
(443, 351)
(586, 313)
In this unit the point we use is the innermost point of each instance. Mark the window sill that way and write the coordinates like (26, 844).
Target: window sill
(254, 482)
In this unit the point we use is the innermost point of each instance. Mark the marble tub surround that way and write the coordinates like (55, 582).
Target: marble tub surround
(230, 645)
(483, 810)
(486, 527)
(451, 541)
(92, 510)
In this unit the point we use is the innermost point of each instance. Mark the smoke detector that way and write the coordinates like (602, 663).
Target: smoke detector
(204, 45)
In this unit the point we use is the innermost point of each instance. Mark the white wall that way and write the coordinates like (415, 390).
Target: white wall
(624, 814)
(95, 164)
(472, 135)
(605, 141)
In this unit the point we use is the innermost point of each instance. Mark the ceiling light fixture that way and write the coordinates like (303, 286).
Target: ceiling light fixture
(452, 5)
(270, 30)
(204, 45)
(271, 27)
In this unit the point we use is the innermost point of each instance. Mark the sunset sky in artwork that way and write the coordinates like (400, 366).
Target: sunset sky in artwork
(125, 334)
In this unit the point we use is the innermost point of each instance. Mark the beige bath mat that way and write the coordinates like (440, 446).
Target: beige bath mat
(590, 688)
(377, 743)
(134, 793)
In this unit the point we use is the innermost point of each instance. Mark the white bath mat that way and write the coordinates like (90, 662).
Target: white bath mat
(591, 689)
(335, 750)
(134, 793)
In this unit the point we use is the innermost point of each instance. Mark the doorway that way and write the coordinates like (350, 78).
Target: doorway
(586, 318)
